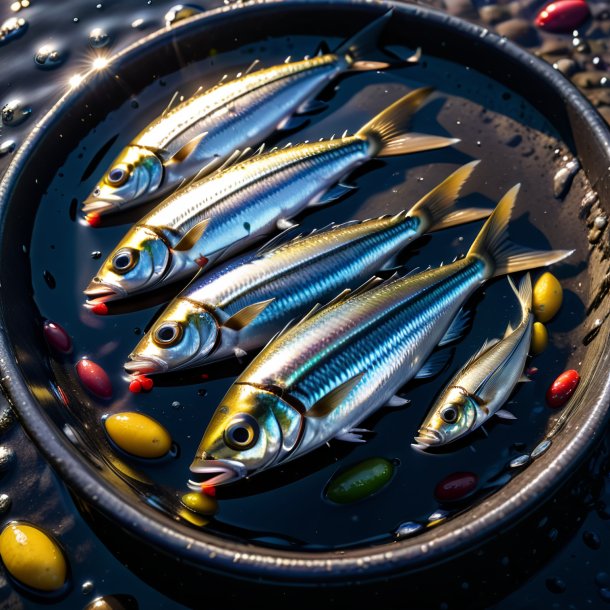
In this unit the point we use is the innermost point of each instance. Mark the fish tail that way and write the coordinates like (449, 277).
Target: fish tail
(502, 256)
(436, 210)
(523, 293)
(360, 46)
(388, 134)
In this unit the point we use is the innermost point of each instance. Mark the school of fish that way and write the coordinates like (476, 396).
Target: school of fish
(335, 326)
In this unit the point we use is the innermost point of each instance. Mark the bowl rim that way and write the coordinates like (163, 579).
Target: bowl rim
(212, 553)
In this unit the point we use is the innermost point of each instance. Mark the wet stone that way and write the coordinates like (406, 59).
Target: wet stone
(520, 461)
(566, 66)
(519, 31)
(563, 178)
(540, 449)
(555, 585)
(589, 79)
(592, 540)
(12, 28)
(14, 113)
(600, 222)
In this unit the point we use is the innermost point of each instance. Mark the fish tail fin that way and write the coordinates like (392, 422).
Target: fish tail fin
(502, 256)
(360, 46)
(523, 293)
(436, 209)
(388, 134)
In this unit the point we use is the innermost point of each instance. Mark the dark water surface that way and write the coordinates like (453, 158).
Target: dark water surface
(515, 143)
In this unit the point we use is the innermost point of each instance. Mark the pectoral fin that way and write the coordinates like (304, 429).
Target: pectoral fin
(504, 414)
(246, 315)
(192, 236)
(434, 365)
(333, 194)
(188, 148)
(328, 403)
(397, 401)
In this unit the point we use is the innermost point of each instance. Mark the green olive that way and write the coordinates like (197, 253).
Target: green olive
(360, 481)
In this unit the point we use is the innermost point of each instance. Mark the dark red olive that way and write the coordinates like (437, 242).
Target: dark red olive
(563, 16)
(94, 378)
(562, 388)
(456, 486)
(57, 338)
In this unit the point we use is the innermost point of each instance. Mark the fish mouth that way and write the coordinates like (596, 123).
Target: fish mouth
(100, 205)
(145, 365)
(99, 291)
(427, 437)
(222, 471)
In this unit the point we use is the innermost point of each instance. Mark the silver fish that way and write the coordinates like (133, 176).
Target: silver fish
(224, 213)
(479, 390)
(320, 379)
(240, 305)
(198, 135)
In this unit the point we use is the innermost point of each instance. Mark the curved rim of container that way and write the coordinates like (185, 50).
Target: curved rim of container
(505, 507)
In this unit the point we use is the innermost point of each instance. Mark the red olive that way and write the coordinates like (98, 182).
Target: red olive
(94, 378)
(563, 16)
(562, 388)
(57, 338)
(456, 486)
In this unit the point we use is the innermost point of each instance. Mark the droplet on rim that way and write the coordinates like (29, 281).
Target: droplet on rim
(15, 112)
(98, 38)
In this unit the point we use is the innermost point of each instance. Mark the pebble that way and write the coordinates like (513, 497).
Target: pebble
(600, 222)
(547, 297)
(180, 12)
(12, 28)
(589, 79)
(5, 503)
(202, 504)
(566, 66)
(138, 434)
(519, 461)
(360, 481)
(456, 486)
(563, 16)
(555, 585)
(94, 378)
(57, 338)
(562, 388)
(48, 57)
(14, 113)
(7, 147)
(7, 455)
(461, 8)
(98, 38)
(409, 528)
(540, 449)
(519, 31)
(563, 178)
(494, 13)
(540, 338)
(32, 557)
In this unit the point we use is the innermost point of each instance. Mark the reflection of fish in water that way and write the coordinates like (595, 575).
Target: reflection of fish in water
(320, 379)
(230, 210)
(198, 135)
(483, 385)
(240, 305)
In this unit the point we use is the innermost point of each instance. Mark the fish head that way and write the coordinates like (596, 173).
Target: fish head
(249, 432)
(453, 416)
(183, 336)
(134, 177)
(137, 264)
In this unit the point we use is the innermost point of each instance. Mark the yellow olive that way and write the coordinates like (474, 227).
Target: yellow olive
(138, 434)
(540, 338)
(548, 296)
(200, 503)
(32, 557)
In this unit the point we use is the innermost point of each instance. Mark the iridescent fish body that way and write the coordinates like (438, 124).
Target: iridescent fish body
(229, 211)
(199, 134)
(482, 386)
(320, 379)
(240, 305)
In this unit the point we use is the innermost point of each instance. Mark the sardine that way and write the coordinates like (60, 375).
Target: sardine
(227, 212)
(198, 135)
(480, 389)
(240, 305)
(319, 380)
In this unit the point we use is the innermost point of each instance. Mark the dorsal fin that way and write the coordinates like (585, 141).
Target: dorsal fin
(488, 344)
(252, 66)
(246, 315)
(281, 239)
(328, 403)
(192, 236)
(188, 148)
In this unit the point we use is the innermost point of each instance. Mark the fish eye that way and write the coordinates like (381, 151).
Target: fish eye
(168, 334)
(124, 260)
(242, 432)
(449, 415)
(117, 176)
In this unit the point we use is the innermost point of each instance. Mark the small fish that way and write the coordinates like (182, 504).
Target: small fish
(319, 380)
(483, 385)
(240, 305)
(222, 214)
(201, 133)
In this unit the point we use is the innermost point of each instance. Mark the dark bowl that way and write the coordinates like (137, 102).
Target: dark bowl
(193, 565)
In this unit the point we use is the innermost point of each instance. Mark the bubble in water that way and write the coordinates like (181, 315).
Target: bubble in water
(15, 112)
(87, 587)
(48, 57)
(6, 147)
(180, 12)
(98, 38)
(12, 28)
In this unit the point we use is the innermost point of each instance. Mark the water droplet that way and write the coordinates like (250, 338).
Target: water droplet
(555, 585)
(137, 24)
(520, 461)
(180, 12)
(6, 147)
(175, 404)
(96, 254)
(98, 38)
(7, 455)
(540, 449)
(563, 178)
(15, 112)
(438, 514)
(409, 528)
(12, 28)
(592, 540)
(5, 503)
(87, 587)
(48, 57)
